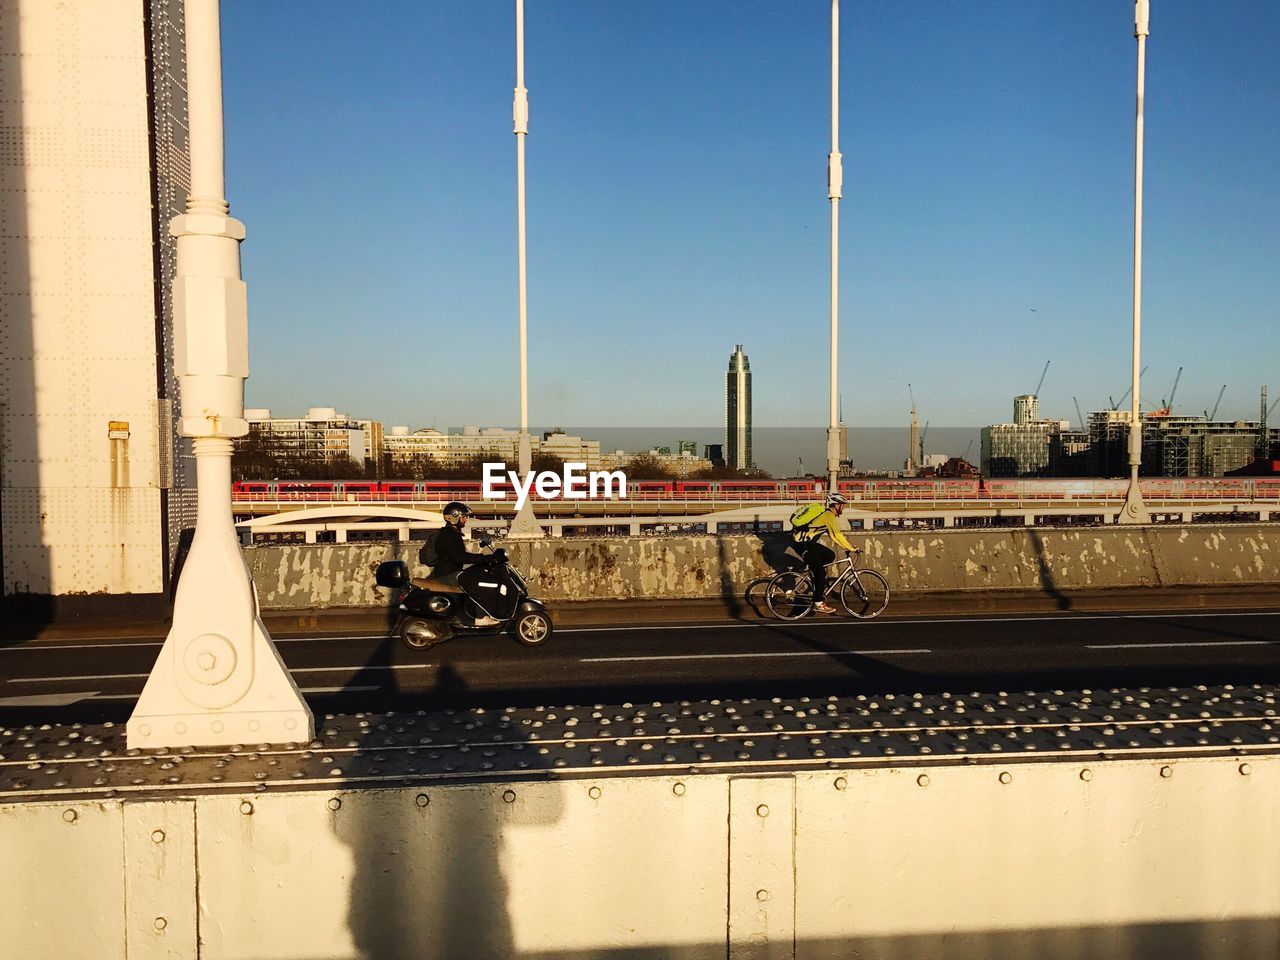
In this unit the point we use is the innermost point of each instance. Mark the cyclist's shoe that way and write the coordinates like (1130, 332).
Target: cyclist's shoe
(824, 607)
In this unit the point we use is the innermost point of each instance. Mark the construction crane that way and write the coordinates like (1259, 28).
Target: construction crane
(915, 443)
(923, 433)
(1216, 404)
(1166, 406)
(1115, 404)
(1078, 413)
(968, 450)
(1043, 373)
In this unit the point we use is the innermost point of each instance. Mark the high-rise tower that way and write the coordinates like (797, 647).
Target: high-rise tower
(737, 412)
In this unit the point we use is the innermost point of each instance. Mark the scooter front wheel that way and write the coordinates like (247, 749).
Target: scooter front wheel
(532, 629)
(418, 634)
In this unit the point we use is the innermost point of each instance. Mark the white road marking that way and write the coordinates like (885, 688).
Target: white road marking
(134, 696)
(1185, 643)
(1063, 618)
(741, 656)
(359, 668)
(50, 646)
(44, 700)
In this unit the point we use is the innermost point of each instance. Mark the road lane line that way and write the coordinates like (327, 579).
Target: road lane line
(1185, 643)
(1064, 618)
(134, 696)
(743, 656)
(48, 646)
(90, 676)
(142, 676)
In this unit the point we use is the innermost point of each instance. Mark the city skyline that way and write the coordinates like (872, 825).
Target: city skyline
(1012, 251)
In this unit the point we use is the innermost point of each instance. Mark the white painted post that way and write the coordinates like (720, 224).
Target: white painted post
(1135, 510)
(525, 526)
(835, 183)
(218, 679)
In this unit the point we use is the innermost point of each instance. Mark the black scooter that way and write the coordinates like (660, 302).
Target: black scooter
(489, 597)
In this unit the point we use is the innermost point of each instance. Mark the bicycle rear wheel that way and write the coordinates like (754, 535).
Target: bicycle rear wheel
(865, 594)
(789, 595)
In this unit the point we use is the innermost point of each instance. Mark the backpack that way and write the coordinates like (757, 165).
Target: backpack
(429, 555)
(803, 516)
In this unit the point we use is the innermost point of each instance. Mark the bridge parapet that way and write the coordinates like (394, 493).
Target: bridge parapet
(965, 826)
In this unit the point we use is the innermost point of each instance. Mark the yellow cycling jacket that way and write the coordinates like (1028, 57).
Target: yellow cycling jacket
(811, 522)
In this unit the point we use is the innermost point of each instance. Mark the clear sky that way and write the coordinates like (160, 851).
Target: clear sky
(677, 206)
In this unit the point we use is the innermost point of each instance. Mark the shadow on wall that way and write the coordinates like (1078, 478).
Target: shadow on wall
(23, 557)
(1047, 582)
(428, 878)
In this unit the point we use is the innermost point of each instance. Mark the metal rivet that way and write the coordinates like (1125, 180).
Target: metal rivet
(509, 796)
(216, 726)
(1086, 774)
(179, 728)
(594, 793)
(334, 803)
(1006, 777)
(69, 816)
(1166, 772)
(290, 723)
(145, 729)
(841, 783)
(422, 800)
(762, 810)
(678, 789)
(254, 726)
(246, 807)
(157, 836)
(1245, 769)
(762, 896)
(923, 780)
(160, 923)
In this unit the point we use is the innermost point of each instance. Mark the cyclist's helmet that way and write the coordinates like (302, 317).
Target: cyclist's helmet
(836, 500)
(455, 511)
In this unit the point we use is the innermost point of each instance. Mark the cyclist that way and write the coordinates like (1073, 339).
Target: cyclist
(808, 525)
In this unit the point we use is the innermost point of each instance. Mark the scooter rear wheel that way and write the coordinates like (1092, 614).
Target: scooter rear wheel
(418, 634)
(532, 629)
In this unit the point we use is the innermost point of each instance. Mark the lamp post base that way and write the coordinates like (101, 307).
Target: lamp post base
(1135, 510)
(271, 711)
(525, 526)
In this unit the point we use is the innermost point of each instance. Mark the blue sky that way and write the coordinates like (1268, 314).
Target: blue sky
(677, 206)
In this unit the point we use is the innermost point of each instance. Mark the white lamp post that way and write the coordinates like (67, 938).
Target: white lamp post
(1135, 510)
(835, 183)
(525, 525)
(218, 679)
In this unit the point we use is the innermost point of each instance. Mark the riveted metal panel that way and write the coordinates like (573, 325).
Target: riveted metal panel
(1099, 859)
(160, 879)
(572, 868)
(761, 868)
(61, 881)
(81, 512)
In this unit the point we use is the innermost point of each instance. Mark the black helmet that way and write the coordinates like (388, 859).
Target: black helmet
(455, 511)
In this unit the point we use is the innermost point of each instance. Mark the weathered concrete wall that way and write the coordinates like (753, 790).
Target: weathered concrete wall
(295, 577)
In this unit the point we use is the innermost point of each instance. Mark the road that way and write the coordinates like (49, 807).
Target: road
(94, 679)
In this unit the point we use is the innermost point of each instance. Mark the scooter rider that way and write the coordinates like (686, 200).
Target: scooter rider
(808, 525)
(451, 551)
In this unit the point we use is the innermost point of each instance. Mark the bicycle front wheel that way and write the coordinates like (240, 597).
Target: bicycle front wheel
(789, 595)
(865, 594)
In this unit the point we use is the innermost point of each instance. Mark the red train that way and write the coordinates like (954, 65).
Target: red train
(441, 491)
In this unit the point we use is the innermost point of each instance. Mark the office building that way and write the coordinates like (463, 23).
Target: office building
(494, 444)
(737, 412)
(1021, 448)
(323, 434)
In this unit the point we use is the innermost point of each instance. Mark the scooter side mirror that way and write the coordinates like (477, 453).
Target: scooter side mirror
(392, 573)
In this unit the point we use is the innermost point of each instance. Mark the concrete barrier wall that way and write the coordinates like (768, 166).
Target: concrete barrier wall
(1113, 859)
(296, 577)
